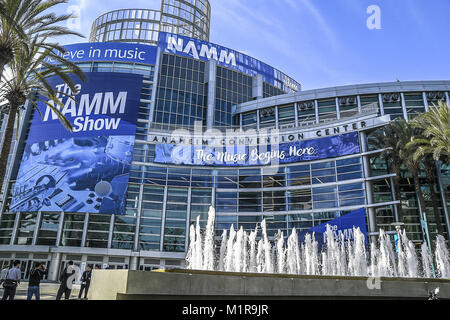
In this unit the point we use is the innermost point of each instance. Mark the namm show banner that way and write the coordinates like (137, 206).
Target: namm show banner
(86, 170)
(341, 226)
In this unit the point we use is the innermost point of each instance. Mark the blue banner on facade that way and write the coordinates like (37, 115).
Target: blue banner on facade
(86, 170)
(323, 148)
(202, 50)
(342, 225)
(108, 52)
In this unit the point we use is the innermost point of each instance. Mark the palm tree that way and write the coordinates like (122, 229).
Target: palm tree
(387, 141)
(436, 132)
(405, 134)
(29, 74)
(22, 20)
(432, 145)
(430, 171)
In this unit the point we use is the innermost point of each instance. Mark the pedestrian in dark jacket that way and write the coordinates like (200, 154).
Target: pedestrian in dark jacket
(85, 282)
(65, 288)
(12, 281)
(36, 275)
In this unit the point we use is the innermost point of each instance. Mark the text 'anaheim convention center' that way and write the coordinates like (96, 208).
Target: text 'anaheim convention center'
(168, 124)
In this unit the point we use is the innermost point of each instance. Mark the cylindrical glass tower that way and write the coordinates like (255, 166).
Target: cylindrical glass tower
(129, 25)
(185, 17)
(189, 18)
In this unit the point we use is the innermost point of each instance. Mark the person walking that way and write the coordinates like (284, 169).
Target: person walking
(4, 273)
(36, 276)
(12, 281)
(85, 282)
(65, 288)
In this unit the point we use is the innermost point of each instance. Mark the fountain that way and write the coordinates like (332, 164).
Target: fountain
(248, 265)
(240, 251)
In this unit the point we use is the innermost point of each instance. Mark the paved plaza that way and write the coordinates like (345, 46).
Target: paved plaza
(48, 291)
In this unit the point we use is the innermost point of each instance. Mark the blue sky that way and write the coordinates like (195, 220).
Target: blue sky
(323, 43)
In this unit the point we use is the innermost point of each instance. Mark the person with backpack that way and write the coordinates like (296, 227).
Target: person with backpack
(36, 276)
(65, 288)
(85, 282)
(12, 281)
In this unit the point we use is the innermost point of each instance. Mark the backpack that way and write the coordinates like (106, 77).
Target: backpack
(9, 283)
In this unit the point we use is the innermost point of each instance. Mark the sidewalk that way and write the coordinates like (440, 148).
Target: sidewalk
(48, 291)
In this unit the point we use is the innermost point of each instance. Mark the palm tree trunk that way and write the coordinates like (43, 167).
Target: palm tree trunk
(415, 173)
(398, 195)
(2, 68)
(430, 170)
(7, 139)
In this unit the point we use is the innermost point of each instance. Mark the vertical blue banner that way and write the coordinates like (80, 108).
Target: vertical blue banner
(86, 170)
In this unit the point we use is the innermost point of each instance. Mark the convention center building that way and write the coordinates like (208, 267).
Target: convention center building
(168, 124)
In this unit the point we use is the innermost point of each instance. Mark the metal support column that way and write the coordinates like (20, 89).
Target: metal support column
(369, 188)
(188, 220)
(163, 222)
(358, 99)
(425, 101)
(381, 104)
(14, 231)
(210, 79)
(258, 120)
(277, 124)
(36, 228)
(155, 87)
(316, 107)
(133, 263)
(338, 109)
(405, 113)
(138, 218)
(258, 87)
(296, 114)
(111, 230)
(16, 160)
(60, 229)
(85, 229)
(54, 266)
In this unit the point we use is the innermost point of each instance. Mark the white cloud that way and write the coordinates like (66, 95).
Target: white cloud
(321, 21)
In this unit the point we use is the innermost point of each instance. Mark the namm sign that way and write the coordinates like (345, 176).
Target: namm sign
(197, 49)
(225, 57)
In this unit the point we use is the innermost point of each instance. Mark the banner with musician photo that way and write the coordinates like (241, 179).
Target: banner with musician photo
(86, 170)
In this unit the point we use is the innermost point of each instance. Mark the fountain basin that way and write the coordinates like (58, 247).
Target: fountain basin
(205, 285)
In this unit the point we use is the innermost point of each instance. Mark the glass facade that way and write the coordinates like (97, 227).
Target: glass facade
(162, 201)
(185, 17)
(140, 26)
(181, 92)
(232, 88)
(190, 18)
